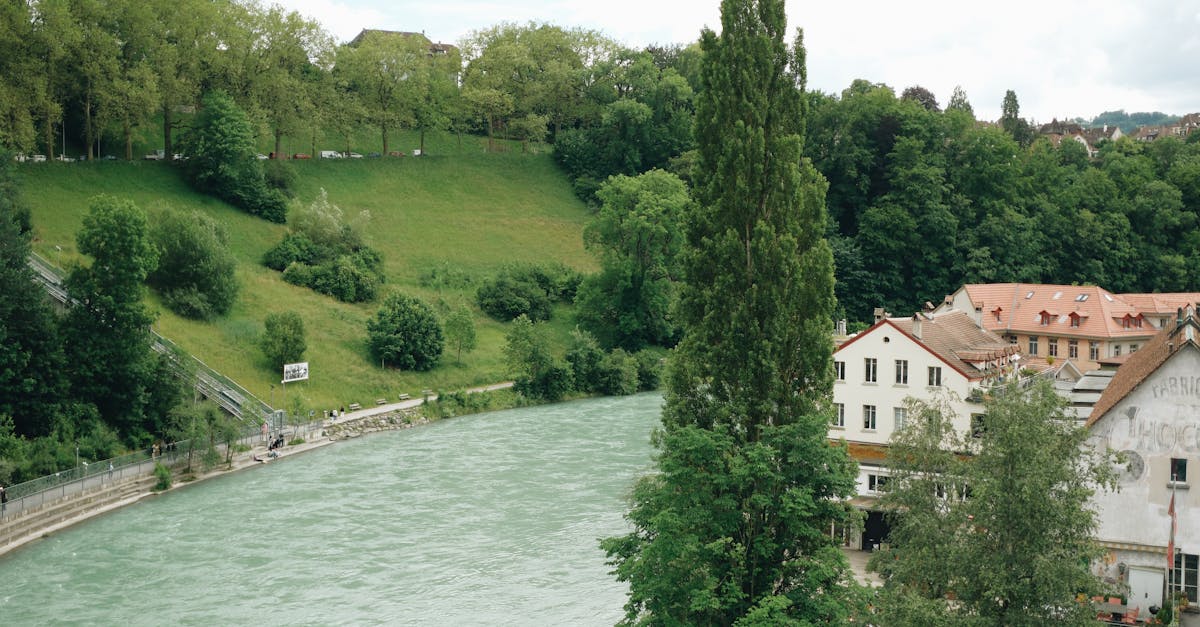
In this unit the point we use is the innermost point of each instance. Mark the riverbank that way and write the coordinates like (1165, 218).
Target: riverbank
(58, 516)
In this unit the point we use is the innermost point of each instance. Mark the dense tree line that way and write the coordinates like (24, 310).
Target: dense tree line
(84, 383)
(924, 201)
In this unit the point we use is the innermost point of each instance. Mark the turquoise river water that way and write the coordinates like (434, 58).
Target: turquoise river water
(481, 520)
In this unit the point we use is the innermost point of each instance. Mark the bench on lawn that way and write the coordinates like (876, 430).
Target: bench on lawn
(355, 407)
(403, 397)
(381, 401)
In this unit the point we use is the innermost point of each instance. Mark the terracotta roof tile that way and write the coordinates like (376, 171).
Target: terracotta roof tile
(1143, 363)
(954, 336)
(1017, 308)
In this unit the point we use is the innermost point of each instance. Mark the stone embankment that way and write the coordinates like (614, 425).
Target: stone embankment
(399, 419)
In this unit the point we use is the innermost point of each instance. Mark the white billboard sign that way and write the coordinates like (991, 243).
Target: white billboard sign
(295, 372)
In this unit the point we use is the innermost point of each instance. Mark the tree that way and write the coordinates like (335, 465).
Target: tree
(221, 159)
(637, 236)
(959, 102)
(405, 333)
(282, 340)
(736, 522)
(1007, 527)
(107, 334)
(921, 96)
(388, 71)
(31, 359)
(1012, 122)
(460, 331)
(195, 273)
(527, 355)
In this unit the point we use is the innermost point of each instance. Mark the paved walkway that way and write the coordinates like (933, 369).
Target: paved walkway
(858, 564)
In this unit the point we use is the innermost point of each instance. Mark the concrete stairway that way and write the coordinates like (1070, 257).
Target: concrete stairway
(18, 529)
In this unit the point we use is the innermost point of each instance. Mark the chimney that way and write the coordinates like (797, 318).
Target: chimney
(840, 329)
(880, 314)
(916, 329)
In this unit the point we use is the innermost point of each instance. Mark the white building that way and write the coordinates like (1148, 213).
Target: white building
(1151, 413)
(921, 357)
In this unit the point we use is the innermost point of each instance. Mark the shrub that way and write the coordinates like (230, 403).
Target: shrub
(406, 334)
(527, 289)
(163, 475)
(282, 340)
(295, 247)
(505, 298)
(584, 356)
(280, 176)
(550, 384)
(195, 272)
(649, 369)
(618, 374)
(221, 159)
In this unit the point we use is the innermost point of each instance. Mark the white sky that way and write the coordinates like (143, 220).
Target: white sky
(1064, 58)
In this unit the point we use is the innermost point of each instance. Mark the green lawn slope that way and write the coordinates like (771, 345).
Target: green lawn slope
(456, 209)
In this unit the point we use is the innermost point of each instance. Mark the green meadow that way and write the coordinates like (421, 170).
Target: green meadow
(457, 212)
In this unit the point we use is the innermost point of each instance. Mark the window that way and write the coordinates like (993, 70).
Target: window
(877, 483)
(1033, 342)
(977, 425)
(1178, 470)
(1075, 321)
(902, 371)
(1012, 339)
(839, 415)
(871, 370)
(1116, 350)
(1072, 349)
(1133, 348)
(839, 370)
(1045, 318)
(901, 415)
(935, 376)
(1094, 351)
(869, 417)
(1052, 346)
(1186, 567)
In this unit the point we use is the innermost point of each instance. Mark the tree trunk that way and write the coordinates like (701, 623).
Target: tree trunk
(383, 128)
(128, 130)
(49, 131)
(278, 143)
(167, 122)
(490, 124)
(89, 133)
(422, 142)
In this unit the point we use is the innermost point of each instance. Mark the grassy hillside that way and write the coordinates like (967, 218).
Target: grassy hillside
(460, 211)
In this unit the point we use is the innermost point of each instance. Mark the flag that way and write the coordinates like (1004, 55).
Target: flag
(1171, 541)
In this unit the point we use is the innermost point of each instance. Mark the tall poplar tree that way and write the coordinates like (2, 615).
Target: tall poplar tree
(735, 524)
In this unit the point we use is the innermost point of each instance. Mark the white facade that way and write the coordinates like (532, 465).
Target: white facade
(895, 354)
(1156, 425)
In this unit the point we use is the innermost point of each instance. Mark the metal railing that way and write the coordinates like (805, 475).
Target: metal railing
(211, 384)
(88, 477)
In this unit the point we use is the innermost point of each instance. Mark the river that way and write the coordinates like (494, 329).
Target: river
(490, 519)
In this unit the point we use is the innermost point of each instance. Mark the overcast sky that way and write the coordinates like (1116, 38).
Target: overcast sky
(1064, 58)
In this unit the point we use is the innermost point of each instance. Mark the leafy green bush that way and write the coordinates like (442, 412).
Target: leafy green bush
(279, 175)
(163, 475)
(527, 289)
(283, 340)
(584, 356)
(649, 369)
(221, 159)
(506, 297)
(327, 255)
(618, 374)
(406, 334)
(195, 272)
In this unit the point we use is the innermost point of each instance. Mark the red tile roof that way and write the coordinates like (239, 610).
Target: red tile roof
(953, 337)
(1011, 308)
(1143, 363)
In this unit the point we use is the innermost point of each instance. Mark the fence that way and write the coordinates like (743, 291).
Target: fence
(87, 477)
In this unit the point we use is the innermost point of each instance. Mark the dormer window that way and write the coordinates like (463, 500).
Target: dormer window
(1075, 320)
(1046, 317)
(997, 312)
(1129, 322)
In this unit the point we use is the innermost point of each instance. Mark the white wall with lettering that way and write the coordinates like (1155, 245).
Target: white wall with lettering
(1157, 421)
